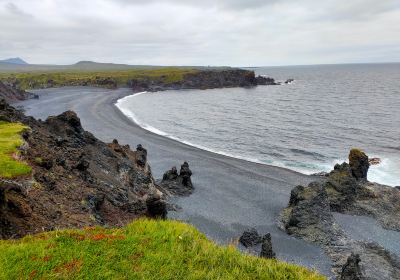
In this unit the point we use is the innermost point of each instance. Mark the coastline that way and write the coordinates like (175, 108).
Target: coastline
(230, 194)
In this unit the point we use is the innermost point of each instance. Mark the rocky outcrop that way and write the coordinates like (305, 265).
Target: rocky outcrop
(308, 215)
(266, 247)
(351, 269)
(250, 237)
(77, 180)
(178, 184)
(204, 79)
(10, 93)
(265, 81)
(345, 190)
(359, 164)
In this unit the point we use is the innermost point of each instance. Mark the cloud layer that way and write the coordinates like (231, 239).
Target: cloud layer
(207, 32)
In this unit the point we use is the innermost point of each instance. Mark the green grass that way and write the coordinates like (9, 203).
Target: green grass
(145, 249)
(10, 140)
(40, 79)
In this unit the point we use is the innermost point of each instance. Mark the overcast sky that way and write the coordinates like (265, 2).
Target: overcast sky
(201, 32)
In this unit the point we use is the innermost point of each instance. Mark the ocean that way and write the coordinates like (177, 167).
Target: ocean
(307, 125)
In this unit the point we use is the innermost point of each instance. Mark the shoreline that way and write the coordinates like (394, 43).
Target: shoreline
(230, 194)
(326, 168)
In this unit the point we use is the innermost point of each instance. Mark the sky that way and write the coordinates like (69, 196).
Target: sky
(201, 32)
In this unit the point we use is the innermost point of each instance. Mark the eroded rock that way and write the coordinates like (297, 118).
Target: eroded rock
(359, 164)
(266, 247)
(351, 269)
(178, 184)
(250, 237)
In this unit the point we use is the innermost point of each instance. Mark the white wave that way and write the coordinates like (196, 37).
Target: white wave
(385, 173)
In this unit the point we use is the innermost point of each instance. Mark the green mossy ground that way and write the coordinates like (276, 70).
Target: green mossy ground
(10, 140)
(145, 249)
(40, 79)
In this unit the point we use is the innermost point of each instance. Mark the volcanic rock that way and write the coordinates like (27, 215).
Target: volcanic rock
(76, 181)
(250, 237)
(308, 214)
(141, 155)
(359, 164)
(178, 184)
(266, 247)
(351, 270)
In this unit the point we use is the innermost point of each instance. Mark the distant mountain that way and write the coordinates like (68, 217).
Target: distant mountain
(14, 60)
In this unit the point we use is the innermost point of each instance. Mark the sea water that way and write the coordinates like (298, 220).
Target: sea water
(307, 125)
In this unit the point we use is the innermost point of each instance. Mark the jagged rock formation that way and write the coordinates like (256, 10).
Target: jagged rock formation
(266, 247)
(250, 237)
(351, 269)
(10, 93)
(359, 164)
(77, 180)
(178, 184)
(309, 216)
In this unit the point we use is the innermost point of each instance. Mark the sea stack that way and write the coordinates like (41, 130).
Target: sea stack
(359, 164)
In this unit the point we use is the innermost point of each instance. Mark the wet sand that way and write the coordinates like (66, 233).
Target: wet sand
(231, 194)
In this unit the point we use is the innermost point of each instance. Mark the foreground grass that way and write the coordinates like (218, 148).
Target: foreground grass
(145, 249)
(40, 79)
(10, 140)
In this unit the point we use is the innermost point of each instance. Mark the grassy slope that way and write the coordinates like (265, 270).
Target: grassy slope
(145, 249)
(10, 140)
(39, 79)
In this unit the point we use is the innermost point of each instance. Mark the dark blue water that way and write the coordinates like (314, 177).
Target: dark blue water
(307, 126)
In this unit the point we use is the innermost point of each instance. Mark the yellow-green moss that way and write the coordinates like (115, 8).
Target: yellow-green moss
(10, 140)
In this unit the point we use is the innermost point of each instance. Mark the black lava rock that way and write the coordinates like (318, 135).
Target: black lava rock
(266, 247)
(351, 269)
(250, 237)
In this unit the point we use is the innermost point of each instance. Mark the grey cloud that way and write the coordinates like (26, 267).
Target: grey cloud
(178, 32)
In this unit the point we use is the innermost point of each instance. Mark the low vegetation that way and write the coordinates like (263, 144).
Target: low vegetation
(145, 249)
(43, 79)
(10, 140)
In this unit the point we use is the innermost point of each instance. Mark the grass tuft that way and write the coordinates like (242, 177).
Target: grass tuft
(144, 249)
(10, 140)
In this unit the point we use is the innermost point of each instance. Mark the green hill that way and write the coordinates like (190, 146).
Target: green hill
(144, 249)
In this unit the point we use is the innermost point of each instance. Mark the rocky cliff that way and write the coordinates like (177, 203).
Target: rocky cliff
(77, 180)
(10, 93)
(205, 79)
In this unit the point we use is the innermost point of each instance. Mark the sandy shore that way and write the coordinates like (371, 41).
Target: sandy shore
(231, 194)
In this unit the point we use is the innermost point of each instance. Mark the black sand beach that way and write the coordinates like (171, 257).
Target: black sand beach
(231, 194)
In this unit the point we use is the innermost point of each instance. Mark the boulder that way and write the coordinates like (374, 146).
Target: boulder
(266, 247)
(250, 237)
(178, 184)
(359, 164)
(374, 161)
(171, 174)
(141, 155)
(156, 207)
(351, 269)
(289, 81)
